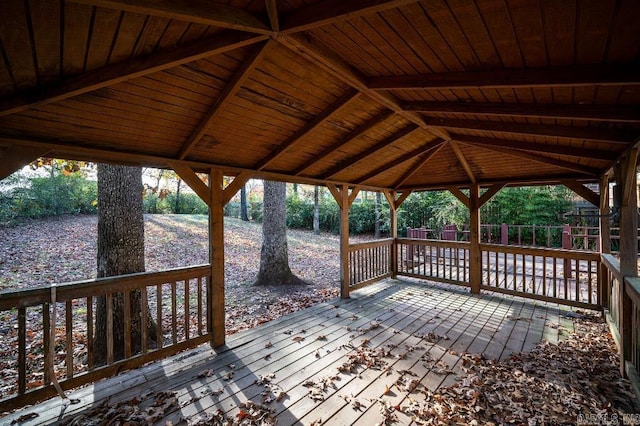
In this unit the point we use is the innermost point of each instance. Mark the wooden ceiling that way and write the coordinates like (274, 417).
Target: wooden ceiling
(395, 94)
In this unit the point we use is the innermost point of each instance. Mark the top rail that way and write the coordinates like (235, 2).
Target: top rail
(94, 287)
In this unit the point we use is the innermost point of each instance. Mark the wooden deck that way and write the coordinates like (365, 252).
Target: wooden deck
(425, 326)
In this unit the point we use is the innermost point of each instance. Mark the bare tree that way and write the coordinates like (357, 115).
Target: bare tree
(120, 251)
(274, 259)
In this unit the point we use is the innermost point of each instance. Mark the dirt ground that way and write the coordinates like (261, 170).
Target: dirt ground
(63, 249)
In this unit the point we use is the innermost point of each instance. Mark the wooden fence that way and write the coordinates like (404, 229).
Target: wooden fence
(621, 303)
(562, 276)
(176, 300)
(568, 277)
(370, 262)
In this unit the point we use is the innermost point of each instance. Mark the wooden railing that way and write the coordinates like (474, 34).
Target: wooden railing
(622, 308)
(445, 261)
(370, 262)
(563, 276)
(175, 300)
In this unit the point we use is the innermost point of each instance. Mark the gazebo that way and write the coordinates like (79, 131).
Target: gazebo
(393, 96)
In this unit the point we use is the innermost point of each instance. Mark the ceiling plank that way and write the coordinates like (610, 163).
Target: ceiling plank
(116, 73)
(618, 113)
(354, 134)
(228, 92)
(423, 150)
(463, 161)
(583, 75)
(587, 133)
(331, 11)
(197, 11)
(583, 192)
(593, 154)
(337, 67)
(543, 159)
(459, 195)
(389, 140)
(417, 167)
(490, 193)
(317, 121)
(272, 11)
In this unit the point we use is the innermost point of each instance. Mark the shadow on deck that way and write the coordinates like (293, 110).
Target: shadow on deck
(419, 326)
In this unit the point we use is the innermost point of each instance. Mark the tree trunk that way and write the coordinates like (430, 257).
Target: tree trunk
(274, 260)
(316, 211)
(244, 215)
(120, 251)
(176, 208)
(378, 215)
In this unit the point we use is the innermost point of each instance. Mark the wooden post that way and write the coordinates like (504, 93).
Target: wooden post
(504, 234)
(393, 219)
(345, 278)
(215, 296)
(567, 244)
(628, 249)
(604, 241)
(475, 258)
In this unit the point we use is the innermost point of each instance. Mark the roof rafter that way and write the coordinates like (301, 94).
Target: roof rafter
(328, 12)
(318, 120)
(354, 134)
(588, 133)
(116, 73)
(197, 11)
(546, 160)
(401, 160)
(272, 11)
(71, 150)
(389, 140)
(582, 75)
(414, 169)
(593, 154)
(463, 161)
(623, 113)
(337, 67)
(228, 92)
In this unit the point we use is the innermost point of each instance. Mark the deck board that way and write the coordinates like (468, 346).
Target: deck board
(425, 326)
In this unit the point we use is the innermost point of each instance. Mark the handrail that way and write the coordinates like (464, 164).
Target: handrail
(612, 263)
(368, 244)
(92, 287)
(542, 251)
(434, 243)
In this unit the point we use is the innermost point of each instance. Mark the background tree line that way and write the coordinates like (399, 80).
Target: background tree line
(61, 192)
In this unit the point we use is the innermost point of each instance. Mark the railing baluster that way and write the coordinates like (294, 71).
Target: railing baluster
(46, 342)
(90, 333)
(127, 323)
(68, 326)
(159, 334)
(200, 306)
(144, 324)
(109, 309)
(187, 314)
(174, 314)
(22, 350)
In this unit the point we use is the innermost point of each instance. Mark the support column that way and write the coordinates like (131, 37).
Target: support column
(393, 224)
(345, 277)
(475, 255)
(628, 249)
(605, 241)
(215, 296)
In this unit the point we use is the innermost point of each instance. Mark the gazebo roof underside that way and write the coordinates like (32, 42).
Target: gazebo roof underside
(380, 94)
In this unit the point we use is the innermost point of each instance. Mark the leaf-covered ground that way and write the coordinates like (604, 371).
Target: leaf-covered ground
(63, 249)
